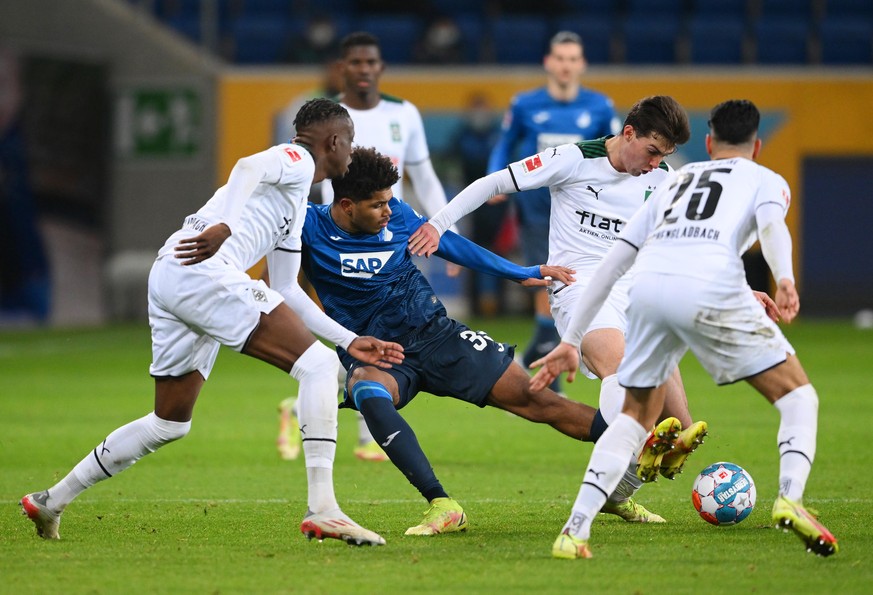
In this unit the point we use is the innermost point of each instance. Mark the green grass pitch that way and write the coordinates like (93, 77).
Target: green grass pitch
(219, 512)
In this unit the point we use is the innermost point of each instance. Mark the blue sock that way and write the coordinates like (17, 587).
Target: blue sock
(396, 437)
(598, 426)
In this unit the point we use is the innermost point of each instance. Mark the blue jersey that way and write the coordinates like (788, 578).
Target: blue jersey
(535, 121)
(370, 284)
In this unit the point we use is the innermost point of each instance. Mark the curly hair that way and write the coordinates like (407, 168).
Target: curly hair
(316, 111)
(356, 39)
(663, 115)
(369, 172)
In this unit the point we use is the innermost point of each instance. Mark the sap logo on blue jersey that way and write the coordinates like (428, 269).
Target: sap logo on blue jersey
(364, 265)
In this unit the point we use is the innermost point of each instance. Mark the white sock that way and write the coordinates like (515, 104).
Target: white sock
(611, 398)
(796, 440)
(121, 449)
(605, 469)
(316, 371)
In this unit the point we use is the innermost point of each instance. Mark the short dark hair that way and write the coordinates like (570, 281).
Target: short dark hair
(565, 37)
(660, 114)
(369, 172)
(316, 111)
(734, 122)
(356, 39)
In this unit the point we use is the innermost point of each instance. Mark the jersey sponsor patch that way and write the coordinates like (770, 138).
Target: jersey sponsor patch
(363, 265)
(532, 163)
(294, 155)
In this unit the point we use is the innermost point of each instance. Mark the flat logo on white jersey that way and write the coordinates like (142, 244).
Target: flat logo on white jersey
(363, 265)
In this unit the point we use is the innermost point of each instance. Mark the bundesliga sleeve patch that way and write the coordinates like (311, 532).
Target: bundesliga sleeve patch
(294, 155)
(528, 165)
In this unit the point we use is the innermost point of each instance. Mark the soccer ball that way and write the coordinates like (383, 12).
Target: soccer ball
(723, 494)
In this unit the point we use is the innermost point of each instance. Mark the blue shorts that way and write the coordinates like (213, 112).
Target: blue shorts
(444, 358)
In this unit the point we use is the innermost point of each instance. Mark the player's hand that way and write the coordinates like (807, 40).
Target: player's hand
(497, 199)
(452, 269)
(549, 275)
(424, 241)
(203, 246)
(787, 299)
(770, 306)
(371, 350)
(563, 358)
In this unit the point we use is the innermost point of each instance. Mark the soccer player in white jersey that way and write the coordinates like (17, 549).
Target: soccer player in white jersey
(596, 186)
(392, 126)
(200, 297)
(689, 291)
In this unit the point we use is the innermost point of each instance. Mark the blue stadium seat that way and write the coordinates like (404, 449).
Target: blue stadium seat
(734, 9)
(655, 9)
(473, 33)
(717, 41)
(187, 25)
(846, 41)
(279, 9)
(519, 39)
(862, 9)
(602, 9)
(794, 9)
(397, 35)
(261, 40)
(782, 40)
(651, 41)
(597, 35)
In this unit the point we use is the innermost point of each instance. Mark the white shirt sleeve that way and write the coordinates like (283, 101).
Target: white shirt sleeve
(471, 198)
(615, 264)
(284, 267)
(775, 240)
(244, 178)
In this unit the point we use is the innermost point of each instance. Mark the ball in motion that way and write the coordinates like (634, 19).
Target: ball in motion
(723, 494)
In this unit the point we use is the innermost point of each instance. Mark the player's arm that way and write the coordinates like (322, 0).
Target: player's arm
(244, 178)
(460, 250)
(501, 153)
(775, 242)
(426, 238)
(284, 265)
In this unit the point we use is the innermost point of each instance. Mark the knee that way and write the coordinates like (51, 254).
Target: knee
(164, 431)
(318, 361)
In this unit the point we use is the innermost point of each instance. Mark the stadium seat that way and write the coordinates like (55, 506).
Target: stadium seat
(858, 9)
(782, 41)
(717, 41)
(651, 41)
(519, 39)
(780, 9)
(473, 34)
(397, 35)
(260, 40)
(718, 9)
(846, 41)
(597, 35)
(657, 9)
(187, 25)
(602, 9)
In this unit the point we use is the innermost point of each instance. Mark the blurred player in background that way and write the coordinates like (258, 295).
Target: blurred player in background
(690, 291)
(394, 127)
(201, 297)
(560, 112)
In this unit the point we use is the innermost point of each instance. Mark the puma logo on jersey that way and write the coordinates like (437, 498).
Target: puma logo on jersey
(596, 193)
(363, 265)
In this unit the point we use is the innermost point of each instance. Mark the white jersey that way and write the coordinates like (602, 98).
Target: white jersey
(591, 201)
(395, 129)
(701, 221)
(263, 204)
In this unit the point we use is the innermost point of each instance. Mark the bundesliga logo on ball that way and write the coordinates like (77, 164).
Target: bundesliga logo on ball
(723, 494)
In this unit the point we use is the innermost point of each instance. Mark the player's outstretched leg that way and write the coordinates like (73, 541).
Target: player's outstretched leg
(568, 547)
(35, 507)
(632, 512)
(288, 441)
(445, 515)
(335, 524)
(660, 441)
(790, 515)
(687, 442)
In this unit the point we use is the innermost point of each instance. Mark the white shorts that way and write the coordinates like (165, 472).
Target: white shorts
(613, 313)
(725, 328)
(194, 309)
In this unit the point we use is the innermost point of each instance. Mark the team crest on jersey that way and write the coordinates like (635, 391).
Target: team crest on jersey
(260, 295)
(294, 155)
(648, 193)
(532, 163)
(363, 265)
(395, 132)
(584, 119)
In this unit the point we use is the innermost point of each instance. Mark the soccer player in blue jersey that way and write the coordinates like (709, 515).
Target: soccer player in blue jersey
(355, 255)
(560, 112)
